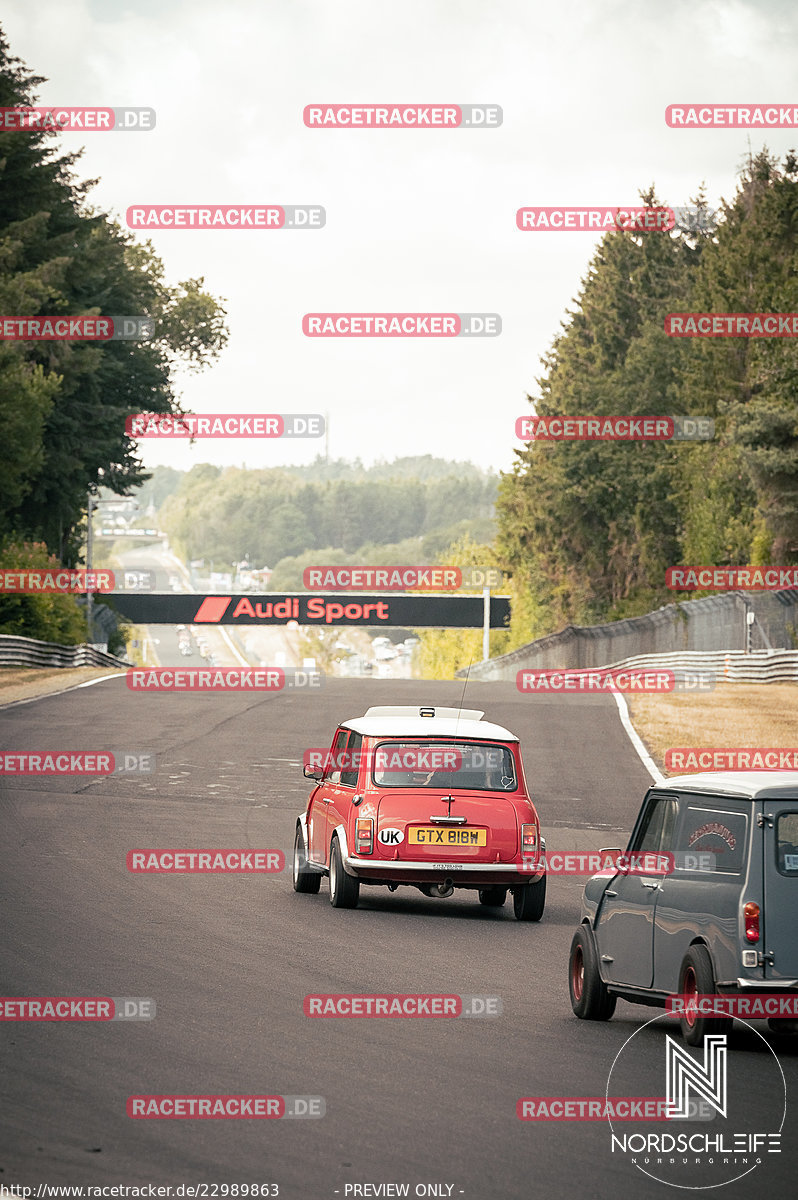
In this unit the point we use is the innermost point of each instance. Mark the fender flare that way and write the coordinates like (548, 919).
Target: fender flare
(340, 833)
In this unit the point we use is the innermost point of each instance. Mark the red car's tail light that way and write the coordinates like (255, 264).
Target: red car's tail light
(751, 915)
(529, 839)
(364, 835)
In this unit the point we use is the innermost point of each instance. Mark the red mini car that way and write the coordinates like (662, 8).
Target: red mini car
(430, 797)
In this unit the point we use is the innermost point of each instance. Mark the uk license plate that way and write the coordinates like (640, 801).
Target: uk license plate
(430, 835)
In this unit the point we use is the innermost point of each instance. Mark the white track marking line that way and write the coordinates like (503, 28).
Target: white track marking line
(62, 692)
(634, 738)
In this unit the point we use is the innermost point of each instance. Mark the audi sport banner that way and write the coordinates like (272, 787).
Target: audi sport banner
(307, 608)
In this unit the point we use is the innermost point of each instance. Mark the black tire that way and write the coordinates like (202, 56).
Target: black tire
(590, 999)
(492, 897)
(696, 976)
(529, 901)
(303, 879)
(344, 889)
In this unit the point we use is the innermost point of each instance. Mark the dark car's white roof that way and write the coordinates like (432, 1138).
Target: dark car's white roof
(405, 721)
(747, 785)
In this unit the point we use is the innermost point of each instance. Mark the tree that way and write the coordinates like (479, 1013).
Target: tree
(272, 514)
(66, 402)
(588, 528)
(749, 384)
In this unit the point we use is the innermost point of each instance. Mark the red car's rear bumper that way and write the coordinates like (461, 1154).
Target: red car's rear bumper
(424, 871)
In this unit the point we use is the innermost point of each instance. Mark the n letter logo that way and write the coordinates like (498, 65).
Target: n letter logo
(684, 1074)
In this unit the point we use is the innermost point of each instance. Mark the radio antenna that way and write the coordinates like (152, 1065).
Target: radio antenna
(465, 685)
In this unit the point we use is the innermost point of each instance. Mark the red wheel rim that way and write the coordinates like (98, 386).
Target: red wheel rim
(690, 991)
(577, 973)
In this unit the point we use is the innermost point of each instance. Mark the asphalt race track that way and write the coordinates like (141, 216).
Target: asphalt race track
(229, 958)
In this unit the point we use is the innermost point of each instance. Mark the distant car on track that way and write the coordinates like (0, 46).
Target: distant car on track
(430, 797)
(718, 921)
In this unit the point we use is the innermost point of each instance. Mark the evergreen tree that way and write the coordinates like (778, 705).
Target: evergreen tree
(589, 527)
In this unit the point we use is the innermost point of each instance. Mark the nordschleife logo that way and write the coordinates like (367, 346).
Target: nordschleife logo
(725, 1105)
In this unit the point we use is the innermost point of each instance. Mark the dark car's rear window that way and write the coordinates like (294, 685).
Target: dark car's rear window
(453, 766)
(712, 838)
(787, 843)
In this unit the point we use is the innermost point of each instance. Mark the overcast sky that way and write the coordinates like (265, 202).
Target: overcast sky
(420, 221)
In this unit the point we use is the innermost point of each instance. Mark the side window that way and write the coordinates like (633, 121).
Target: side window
(656, 830)
(711, 837)
(350, 774)
(787, 843)
(332, 771)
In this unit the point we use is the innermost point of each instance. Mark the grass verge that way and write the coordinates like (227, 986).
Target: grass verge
(732, 715)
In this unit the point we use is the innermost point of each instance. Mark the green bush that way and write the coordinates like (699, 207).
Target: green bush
(51, 618)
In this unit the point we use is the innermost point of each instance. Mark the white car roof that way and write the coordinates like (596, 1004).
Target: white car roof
(748, 785)
(406, 721)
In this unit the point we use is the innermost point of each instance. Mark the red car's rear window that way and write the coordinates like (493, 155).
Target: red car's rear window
(478, 766)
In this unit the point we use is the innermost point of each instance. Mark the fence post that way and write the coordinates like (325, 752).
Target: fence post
(485, 624)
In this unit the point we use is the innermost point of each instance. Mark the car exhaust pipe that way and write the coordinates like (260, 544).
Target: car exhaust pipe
(437, 890)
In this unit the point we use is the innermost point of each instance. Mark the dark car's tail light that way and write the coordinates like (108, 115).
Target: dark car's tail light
(751, 915)
(364, 835)
(529, 840)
